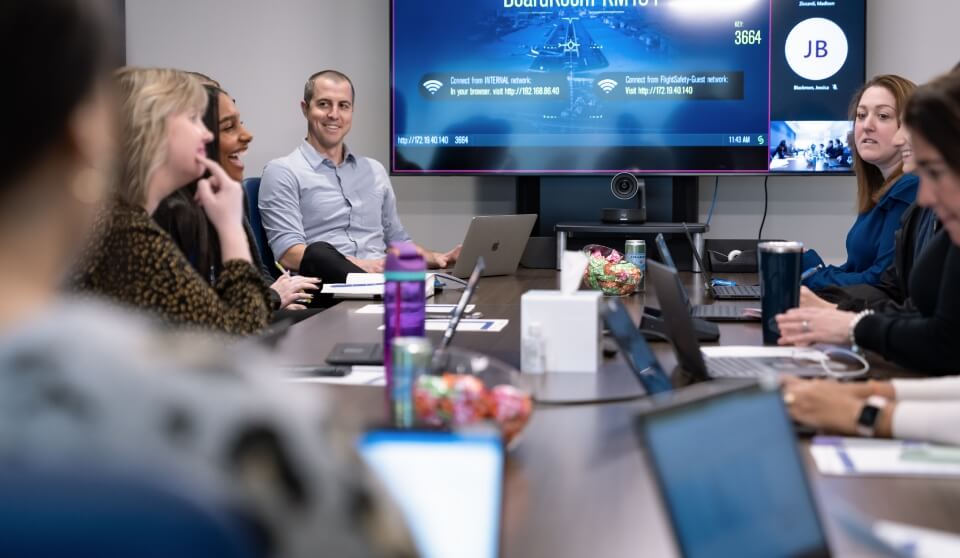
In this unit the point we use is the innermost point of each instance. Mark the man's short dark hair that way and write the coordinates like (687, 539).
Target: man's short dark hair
(332, 74)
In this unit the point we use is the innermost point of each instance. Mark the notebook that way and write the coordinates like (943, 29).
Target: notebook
(368, 285)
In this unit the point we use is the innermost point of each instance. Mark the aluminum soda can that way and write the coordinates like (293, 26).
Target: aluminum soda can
(635, 251)
(412, 357)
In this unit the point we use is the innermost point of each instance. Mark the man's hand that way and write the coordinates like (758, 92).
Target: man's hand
(441, 260)
(369, 266)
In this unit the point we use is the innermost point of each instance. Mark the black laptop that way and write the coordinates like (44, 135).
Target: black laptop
(727, 467)
(761, 361)
(721, 292)
(634, 348)
(726, 312)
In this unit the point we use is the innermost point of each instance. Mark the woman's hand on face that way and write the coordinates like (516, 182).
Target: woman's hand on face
(810, 300)
(806, 326)
(221, 197)
(295, 288)
(823, 404)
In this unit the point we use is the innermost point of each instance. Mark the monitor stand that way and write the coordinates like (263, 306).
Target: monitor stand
(652, 320)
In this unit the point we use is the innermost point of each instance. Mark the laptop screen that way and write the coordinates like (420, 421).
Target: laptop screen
(665, 256)
(634, 348)
(448, 486)
(732, 479)
(462, 303)
(676, 315)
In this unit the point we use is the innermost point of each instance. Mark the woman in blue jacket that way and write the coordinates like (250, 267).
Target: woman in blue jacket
(883, 190)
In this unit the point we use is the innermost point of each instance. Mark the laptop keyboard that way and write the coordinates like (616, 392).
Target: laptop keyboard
(732, 311)
(737, 290)
(732, 367)
(742, 367)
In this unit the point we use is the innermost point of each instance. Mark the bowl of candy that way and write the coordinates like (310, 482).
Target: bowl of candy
(608, 271)
(466, 388)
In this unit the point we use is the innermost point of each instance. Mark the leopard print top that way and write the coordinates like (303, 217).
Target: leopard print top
(133, 261)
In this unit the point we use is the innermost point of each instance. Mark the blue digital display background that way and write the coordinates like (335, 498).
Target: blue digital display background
(808, 115)
(653, 85)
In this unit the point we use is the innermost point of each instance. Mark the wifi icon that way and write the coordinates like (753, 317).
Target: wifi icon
(432, 86)
(607, 85)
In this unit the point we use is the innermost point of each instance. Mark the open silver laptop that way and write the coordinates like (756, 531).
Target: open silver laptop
(499, 239)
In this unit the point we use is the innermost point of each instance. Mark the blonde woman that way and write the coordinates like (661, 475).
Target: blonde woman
(132, 260)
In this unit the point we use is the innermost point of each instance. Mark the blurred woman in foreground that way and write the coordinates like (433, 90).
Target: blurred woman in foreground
(84, 387)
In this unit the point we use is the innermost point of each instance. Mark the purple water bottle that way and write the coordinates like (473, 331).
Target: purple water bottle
(404, 300)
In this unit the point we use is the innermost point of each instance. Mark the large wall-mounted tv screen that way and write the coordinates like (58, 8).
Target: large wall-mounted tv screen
(602, 86)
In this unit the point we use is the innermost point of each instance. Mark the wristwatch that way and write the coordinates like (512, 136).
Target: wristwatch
(869, 415)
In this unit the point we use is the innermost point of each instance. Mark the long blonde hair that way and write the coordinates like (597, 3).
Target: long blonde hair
(870, 182)
(148, 96)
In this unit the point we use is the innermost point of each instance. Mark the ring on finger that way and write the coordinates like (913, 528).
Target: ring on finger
(805, 326)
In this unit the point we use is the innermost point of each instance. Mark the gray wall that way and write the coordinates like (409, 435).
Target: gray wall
(262, 51)
(917, 39)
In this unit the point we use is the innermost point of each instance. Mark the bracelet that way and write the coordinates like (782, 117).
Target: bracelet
(853, 328)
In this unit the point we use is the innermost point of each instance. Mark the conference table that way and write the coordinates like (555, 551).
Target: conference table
(577, 483)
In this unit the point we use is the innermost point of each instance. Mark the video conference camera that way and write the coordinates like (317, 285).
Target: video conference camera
(626, 186)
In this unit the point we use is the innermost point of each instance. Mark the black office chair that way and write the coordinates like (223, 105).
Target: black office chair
(251, 187)
(64, 515)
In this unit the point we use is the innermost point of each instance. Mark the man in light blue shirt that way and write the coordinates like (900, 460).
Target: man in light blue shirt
(324, 193)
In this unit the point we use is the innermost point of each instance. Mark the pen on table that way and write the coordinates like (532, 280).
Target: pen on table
(809, 273)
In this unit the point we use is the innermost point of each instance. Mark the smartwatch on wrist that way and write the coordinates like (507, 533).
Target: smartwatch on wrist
(869, 415)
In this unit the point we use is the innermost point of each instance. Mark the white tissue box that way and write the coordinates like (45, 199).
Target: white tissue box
(560, 332)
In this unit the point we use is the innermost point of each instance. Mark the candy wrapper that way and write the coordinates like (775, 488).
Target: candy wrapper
(511, 409)
(428, 395)
(462, 399)
(609, 272)
(468, 398)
